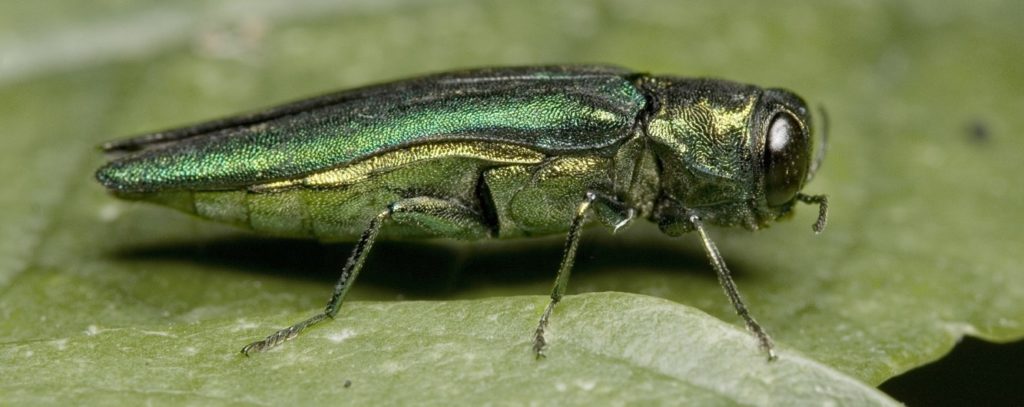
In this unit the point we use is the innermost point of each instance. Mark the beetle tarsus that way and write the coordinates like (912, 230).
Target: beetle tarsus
(764, 342)
(283, 335)
(539, 342)
(271, 341)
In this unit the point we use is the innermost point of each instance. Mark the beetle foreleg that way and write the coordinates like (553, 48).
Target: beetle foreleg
(725, 280)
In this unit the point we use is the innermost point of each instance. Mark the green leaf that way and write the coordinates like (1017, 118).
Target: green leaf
(475, 352)
(104, 301)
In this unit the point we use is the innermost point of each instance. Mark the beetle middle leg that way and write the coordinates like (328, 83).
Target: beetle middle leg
(434, 215)
(614, 214)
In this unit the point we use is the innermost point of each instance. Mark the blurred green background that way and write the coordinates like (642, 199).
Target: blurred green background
(110, 302)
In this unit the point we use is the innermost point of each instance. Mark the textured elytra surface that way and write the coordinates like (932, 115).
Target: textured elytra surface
(920, 250)
(553, 110)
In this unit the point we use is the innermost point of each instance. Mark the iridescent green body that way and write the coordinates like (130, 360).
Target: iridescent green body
(576, 129)
(491, 153)
(581, 116)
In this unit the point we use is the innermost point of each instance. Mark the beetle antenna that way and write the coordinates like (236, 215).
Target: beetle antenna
(822, 201)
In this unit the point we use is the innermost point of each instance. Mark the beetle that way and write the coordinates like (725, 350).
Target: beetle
(490, 153)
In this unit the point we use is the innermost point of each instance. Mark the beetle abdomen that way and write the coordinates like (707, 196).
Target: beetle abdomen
(336, 204)
(278, 214)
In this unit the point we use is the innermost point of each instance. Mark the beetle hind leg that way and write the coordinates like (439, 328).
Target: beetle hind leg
(345, 281)
(436, 216)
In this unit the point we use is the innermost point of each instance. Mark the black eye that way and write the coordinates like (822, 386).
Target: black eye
(786, 157)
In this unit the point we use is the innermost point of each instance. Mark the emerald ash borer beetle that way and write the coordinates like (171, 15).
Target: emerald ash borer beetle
(496, 153)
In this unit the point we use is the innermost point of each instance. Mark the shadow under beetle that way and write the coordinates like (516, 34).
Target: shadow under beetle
(490, 153)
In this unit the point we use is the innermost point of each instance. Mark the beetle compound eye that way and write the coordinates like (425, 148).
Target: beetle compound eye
(786, 157)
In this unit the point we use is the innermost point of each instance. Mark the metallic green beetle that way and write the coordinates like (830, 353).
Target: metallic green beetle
(489, 153)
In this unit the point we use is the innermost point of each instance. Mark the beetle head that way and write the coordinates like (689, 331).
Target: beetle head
(736, 155)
